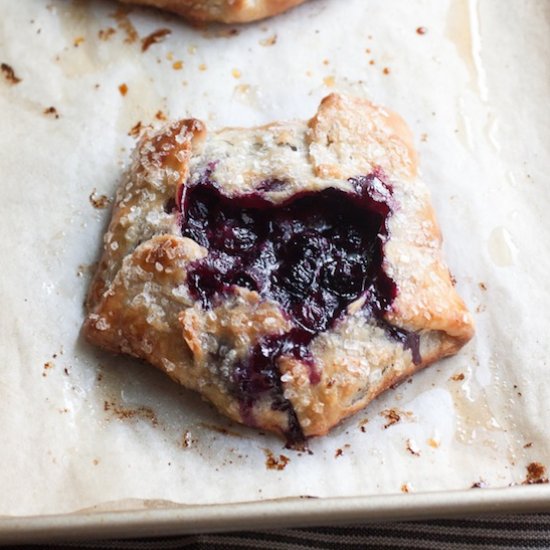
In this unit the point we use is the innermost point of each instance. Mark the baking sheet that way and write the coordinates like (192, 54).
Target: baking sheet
(81, 428)
(157, 521)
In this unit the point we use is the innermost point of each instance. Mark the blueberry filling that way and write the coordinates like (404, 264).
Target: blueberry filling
(314, 254)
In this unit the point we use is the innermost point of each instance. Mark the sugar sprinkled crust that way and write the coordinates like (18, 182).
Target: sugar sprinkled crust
(140, 301)
(225, 11)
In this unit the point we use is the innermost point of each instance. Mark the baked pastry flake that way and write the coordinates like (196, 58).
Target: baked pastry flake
(288, 273)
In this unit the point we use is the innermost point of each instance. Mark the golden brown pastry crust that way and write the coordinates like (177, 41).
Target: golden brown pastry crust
(139, 302)
(224, 11)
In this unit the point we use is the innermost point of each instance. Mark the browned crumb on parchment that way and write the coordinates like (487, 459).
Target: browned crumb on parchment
(99, 201)
(269, 41)
(482, 286)
(136, 129)
(481, 484)
(160, 115)
(9, 74)
(187, 440)
(536, 473)
(105, 34)
(155, 37)
(412, 447)
(48, 365)
(458, 377)
(126, 413)
(340, 452)
(124, 24)
(274, 463)
(393, 416)
(362, 424)
(123, 89)
(406, 488)
(51, 112)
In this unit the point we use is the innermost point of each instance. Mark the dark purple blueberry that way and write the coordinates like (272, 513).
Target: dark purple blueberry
(316, 312)
(345, 278)
(298, 278)
(236, 240)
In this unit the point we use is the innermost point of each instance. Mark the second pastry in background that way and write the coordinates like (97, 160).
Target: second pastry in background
(224, 11)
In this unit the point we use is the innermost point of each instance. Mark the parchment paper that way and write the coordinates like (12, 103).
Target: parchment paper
(80, 428)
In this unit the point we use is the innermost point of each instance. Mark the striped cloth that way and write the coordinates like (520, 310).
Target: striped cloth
(498, 532)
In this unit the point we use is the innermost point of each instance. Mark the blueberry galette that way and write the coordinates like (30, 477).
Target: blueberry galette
(225, 11)
(288, 273)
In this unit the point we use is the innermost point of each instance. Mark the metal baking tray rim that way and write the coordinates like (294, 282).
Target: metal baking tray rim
(180, 519)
